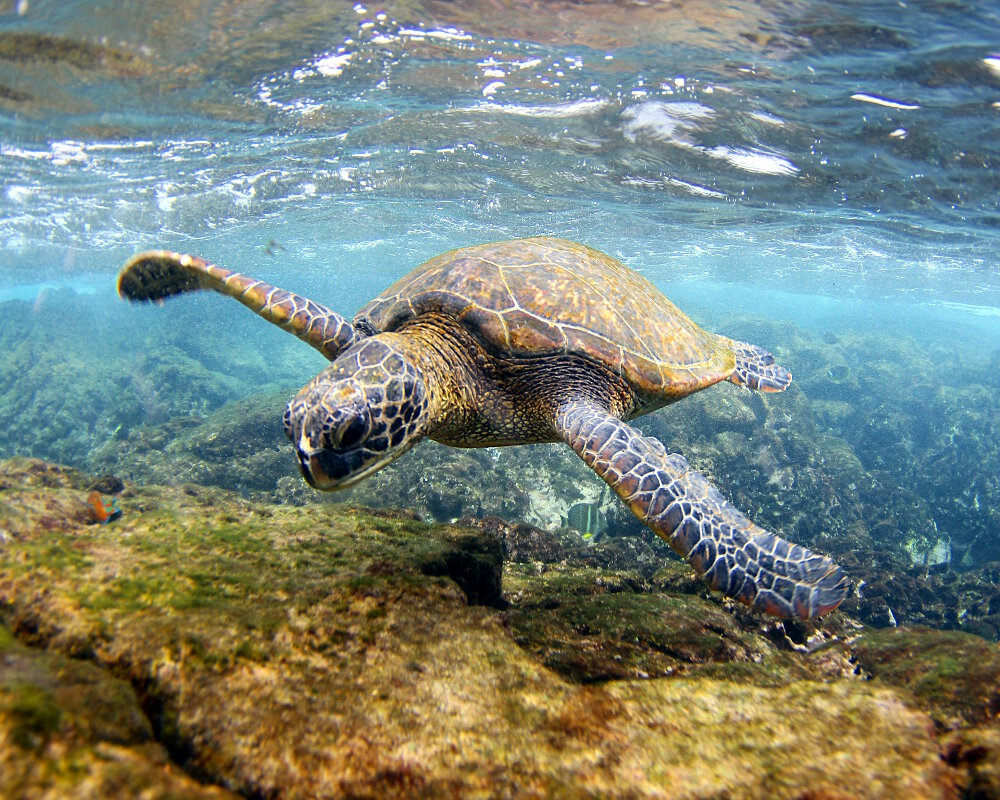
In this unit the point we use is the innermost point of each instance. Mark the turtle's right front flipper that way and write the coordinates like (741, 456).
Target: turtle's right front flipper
(159, 274)
(737, 557)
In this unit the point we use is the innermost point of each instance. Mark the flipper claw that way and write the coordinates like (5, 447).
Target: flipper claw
(756, 368)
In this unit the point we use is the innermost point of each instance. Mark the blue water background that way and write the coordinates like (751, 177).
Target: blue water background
(834, 165)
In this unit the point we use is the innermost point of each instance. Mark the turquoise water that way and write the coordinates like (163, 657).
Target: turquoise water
(841, 149)
(832, 167)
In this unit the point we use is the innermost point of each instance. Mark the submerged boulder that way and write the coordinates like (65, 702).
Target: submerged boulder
(329, 651)
(71, 729)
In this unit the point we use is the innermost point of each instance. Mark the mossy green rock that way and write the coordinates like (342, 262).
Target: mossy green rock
(78, 376)
(955, 675)
(70, 729)
(596, 625)
(325, 651)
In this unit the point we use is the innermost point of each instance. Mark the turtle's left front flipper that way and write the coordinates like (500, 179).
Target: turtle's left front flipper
(159, 274)
(737, 557)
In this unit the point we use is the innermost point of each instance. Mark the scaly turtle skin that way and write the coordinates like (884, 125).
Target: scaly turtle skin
(535, 340)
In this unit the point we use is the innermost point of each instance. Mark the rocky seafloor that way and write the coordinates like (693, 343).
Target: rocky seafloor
(205, 645)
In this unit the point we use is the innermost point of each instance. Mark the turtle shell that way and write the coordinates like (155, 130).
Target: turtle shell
(544, 296)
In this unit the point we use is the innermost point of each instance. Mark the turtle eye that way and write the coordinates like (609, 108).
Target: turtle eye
(353, 430)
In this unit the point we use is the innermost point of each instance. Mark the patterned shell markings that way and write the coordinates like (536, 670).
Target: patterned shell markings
(547, 296)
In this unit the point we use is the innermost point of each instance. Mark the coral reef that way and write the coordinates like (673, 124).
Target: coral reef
(241, 447)
(382, 661)
(926, 436)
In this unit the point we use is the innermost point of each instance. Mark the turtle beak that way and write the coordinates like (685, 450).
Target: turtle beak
(327, 475)
(330, 471)
(324, 466)
(312, 470)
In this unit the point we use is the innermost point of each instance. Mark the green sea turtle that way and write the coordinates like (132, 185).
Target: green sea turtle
(534, 340)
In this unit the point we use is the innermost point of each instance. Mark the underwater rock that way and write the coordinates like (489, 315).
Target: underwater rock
(928, 439)
(899, 594)
(976, 751)
(594, 625)
(955, 675)
(241, 447)
(729, 411)
(842, 35)
(27, 47)
(956, 678)
(643, 554)
(107, 484)
(637, 24)
(34, 473)
(70, 729)
(474, 562)
(371, 674)
(524, 543)
(37, 496)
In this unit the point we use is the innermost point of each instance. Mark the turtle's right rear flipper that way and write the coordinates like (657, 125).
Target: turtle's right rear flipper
(756, 368)
(158, 274)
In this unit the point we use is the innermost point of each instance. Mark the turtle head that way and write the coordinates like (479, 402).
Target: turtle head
(361, 412)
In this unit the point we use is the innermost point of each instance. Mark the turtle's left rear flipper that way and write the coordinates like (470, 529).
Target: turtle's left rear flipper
(158, 274)
(737, 557)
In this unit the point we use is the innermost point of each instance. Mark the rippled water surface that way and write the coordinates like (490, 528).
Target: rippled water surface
(841, 149)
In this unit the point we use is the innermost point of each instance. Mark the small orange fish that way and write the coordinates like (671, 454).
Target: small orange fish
(101, 510)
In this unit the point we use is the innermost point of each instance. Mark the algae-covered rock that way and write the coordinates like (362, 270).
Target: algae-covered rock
(71, 729)
(956, 678)
(976, 751)
(241, 447)
(955, 675)
(772, 734)
(524, 543)
(927, 437)
(79, 375)
(938, 597)
(596, 625)
(325, 651)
